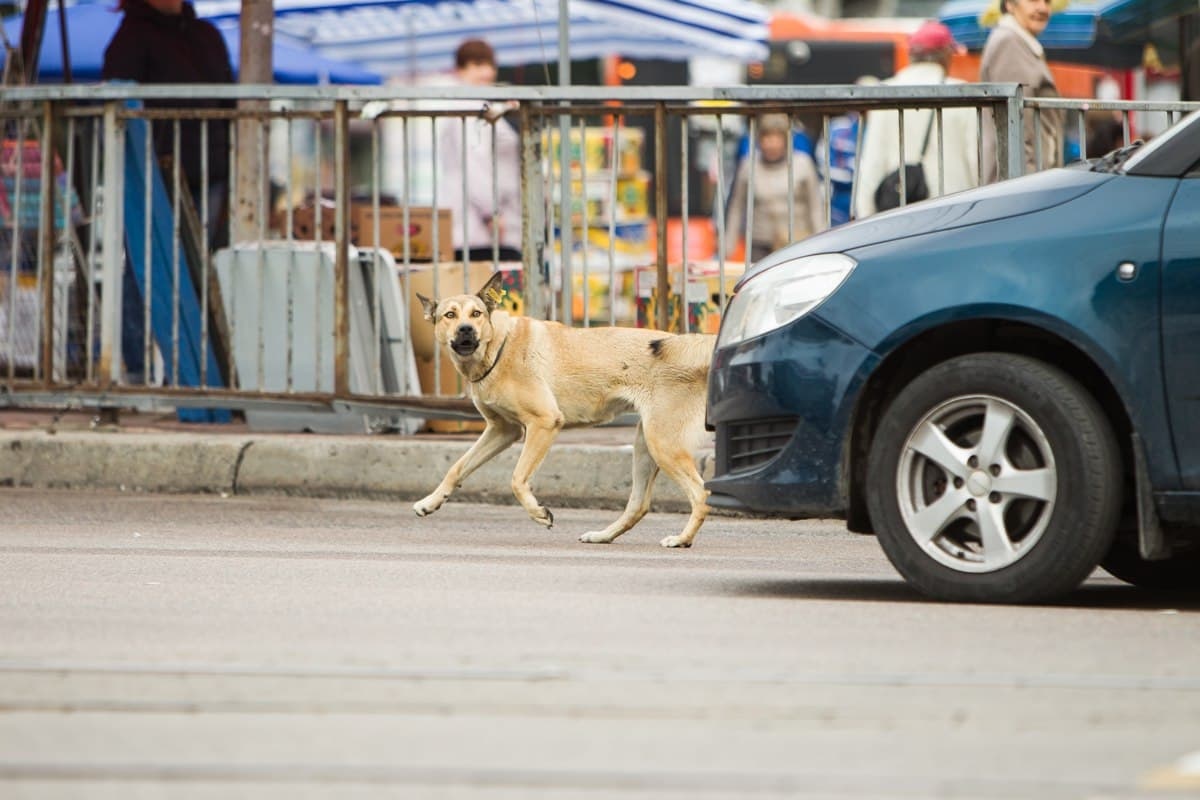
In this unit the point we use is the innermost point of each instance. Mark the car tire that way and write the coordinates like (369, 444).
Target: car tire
(994, 478)
(1181, 573)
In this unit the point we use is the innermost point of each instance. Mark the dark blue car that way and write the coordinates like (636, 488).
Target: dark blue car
(1003, 385)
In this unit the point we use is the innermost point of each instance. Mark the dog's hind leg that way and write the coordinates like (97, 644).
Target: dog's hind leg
(644, 472)
(497, 437)
(540, 433)
(672, 445)
(680, 467)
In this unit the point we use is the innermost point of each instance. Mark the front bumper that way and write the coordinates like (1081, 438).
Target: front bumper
(782, 405)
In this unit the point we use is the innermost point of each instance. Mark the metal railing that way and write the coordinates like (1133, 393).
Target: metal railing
(120, 261)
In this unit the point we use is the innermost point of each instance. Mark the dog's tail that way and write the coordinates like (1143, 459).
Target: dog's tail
(686, 355)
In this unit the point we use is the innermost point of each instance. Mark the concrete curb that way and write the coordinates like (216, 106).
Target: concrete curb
(573, 475)
(177, 462)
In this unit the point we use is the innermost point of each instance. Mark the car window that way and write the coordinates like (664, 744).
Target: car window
(1179, 139)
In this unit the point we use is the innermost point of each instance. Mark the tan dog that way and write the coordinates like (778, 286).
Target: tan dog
(538, 377)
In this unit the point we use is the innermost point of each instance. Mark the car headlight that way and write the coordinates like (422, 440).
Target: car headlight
(782, 294)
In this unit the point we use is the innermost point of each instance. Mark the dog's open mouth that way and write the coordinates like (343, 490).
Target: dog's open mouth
(464, 347)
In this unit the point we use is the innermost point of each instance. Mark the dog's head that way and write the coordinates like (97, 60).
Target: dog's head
(464, 322)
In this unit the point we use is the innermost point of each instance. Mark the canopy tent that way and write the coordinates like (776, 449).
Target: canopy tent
(420, 36)
(90, 27)
(1080, 25)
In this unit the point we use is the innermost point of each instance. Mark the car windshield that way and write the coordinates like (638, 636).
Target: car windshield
(1189, 124)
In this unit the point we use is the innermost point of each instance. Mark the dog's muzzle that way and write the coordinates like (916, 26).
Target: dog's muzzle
(465, 341)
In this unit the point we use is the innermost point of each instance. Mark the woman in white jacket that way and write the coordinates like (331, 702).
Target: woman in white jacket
(930, 49)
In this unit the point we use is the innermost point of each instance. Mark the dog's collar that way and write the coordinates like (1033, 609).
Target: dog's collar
(496, 361)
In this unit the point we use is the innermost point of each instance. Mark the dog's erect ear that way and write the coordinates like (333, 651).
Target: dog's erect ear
(491, 293)
(428, 305)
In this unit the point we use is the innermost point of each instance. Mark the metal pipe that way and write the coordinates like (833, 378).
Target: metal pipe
(684, 162)
(660, 215)
(45, 266)
(751, 164)
(828, 175)
(565, 233)
(175, 266)
(406, 162)
(290, 286)
(204, 254)
(377, 263)
(341, 259)
(584, 226)
(112, 252)
(147, 252)
(615, 164)
(93, 215)
(720, 201)
(437, 250)
(903, 173)
(260, 278)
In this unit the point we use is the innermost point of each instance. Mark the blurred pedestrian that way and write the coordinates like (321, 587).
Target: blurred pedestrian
(162, 41)
(930, 49)
(841, 153)
(491, 215)
(772, 185)
(1013, 54)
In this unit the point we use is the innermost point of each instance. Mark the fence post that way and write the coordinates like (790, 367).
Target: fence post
(341, 258)
(533, 221)
(566, 219)
(1010, 136)
(663, 278)
(113, 255)
(47, 243)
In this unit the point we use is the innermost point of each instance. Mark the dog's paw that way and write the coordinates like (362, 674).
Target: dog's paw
(544, 516)
(425, 507)
(676, 541)
(597, 537)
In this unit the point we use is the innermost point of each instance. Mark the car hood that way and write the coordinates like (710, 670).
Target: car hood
(1012, 198)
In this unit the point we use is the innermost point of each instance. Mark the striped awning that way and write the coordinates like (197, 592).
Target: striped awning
(420, 36)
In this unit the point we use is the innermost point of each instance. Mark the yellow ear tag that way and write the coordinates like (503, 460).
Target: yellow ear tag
(495, 295)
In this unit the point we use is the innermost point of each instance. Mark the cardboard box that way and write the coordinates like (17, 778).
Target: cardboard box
(391, 229)
(450, 281)
(703, 295)
(304, 222)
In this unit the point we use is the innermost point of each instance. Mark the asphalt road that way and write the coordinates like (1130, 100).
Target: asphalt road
(188, 647)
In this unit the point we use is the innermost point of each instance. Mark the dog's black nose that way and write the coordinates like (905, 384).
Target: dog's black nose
(465, 331)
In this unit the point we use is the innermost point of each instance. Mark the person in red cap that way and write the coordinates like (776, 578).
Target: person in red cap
(930, 49)
(1013, 54)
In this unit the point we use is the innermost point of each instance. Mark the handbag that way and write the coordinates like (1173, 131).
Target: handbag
(887, 194)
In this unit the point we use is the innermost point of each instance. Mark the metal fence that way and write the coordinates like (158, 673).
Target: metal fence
(168, 247)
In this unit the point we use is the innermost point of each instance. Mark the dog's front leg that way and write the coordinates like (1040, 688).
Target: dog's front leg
(497, 437)
(539, 435)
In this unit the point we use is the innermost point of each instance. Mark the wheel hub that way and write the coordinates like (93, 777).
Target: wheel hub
(979, 483)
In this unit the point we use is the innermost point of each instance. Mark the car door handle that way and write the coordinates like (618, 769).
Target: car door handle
(1126, 271)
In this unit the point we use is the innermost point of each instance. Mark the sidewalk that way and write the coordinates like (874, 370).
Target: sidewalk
(587, 467)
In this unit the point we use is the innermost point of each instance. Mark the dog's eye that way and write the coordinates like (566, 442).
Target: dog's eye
(477, 313)
(451, 315)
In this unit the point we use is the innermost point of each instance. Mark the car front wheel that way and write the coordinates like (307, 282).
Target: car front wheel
(994, 477)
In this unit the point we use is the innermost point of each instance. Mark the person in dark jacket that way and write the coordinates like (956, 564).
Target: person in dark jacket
(162, 41)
